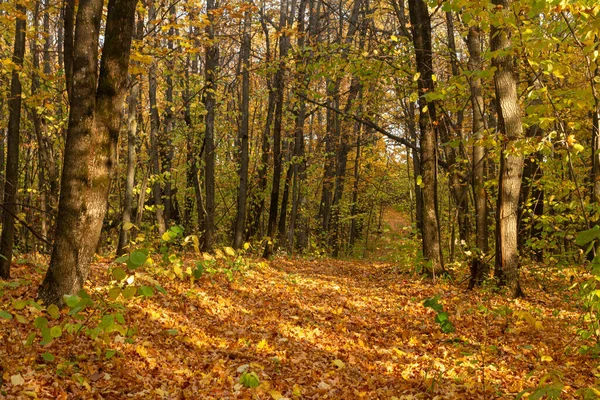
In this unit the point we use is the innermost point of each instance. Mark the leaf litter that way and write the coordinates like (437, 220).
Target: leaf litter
(297, 328)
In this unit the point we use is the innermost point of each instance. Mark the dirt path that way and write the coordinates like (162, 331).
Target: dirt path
(309, 330)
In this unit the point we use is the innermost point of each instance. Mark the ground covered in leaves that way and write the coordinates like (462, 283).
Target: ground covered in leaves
(298, 328)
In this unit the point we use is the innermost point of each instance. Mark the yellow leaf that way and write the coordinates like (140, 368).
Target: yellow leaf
(417, 76)
(296, 390)
(547, 359)
(276, 395)
(141, 350)
(229, 251)
(17, 380)
(339, 363)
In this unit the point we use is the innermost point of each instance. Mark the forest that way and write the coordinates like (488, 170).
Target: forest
(259, 199)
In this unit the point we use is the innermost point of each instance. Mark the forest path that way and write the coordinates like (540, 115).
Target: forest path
(309, 329)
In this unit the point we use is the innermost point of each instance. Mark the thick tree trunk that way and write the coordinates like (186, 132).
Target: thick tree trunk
(421, 32)
(240, 221)
(511, 162)
(12, 155)
(479, 194)
(90, 148)
(210, 105)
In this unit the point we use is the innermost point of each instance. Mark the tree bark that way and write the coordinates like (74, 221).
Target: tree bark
(240, 221)
(210, 105)
(279, 83)
(12, 155)
(154, 133)
(479, 194)
(511, 162)
(421, 32)
(94, 122)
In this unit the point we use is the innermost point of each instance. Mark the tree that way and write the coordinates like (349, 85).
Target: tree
(12, 155)
(421, 35)
(210, 104)
(94, 123)
(240, 222)
(511, 162)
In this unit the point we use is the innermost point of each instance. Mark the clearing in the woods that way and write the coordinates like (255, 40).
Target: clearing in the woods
(300, 329)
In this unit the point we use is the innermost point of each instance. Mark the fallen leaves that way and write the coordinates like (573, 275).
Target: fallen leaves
(290, 329)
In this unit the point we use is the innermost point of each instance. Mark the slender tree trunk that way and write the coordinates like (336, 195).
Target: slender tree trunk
(94, 122)
(458, 187)
(479, 194)
(421, 31)
(531, 198)
(240, 221)
(210, 104)
(131, 161)
(511, 162)
(154, 133)
(12, 156)
(165, 142)
(279, 83)
(69, 50)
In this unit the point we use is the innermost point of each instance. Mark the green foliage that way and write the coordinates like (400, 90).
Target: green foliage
(249, 379)
(549, 387)
(442, 317)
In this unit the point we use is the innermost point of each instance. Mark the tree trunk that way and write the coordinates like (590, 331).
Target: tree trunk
(69, 27)
(279, 83)
(130, 175)
(12, 155)
(154, 132)
(479, 194)
(94, 121)
(210, 105)
(421, 32)
(511, 162)
(240, 221)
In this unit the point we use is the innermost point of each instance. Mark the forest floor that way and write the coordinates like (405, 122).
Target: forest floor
(305, 329)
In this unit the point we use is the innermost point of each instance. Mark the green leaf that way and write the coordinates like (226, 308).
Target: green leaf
(138, 257)
(46, 336)
(109, 354)
(129, 292)
(48, 356)
(114, 293)
(587, 236)
(160, 289)
(173, 332)
(56, 331)
(146, 291)
(19, 304)
(250, 380)
(122, 259)
(53, 311)
(119, 318)
(107, 322)
(5, 315)
(119, 273)
(71, 300)
(441, 317)
(40, 322)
